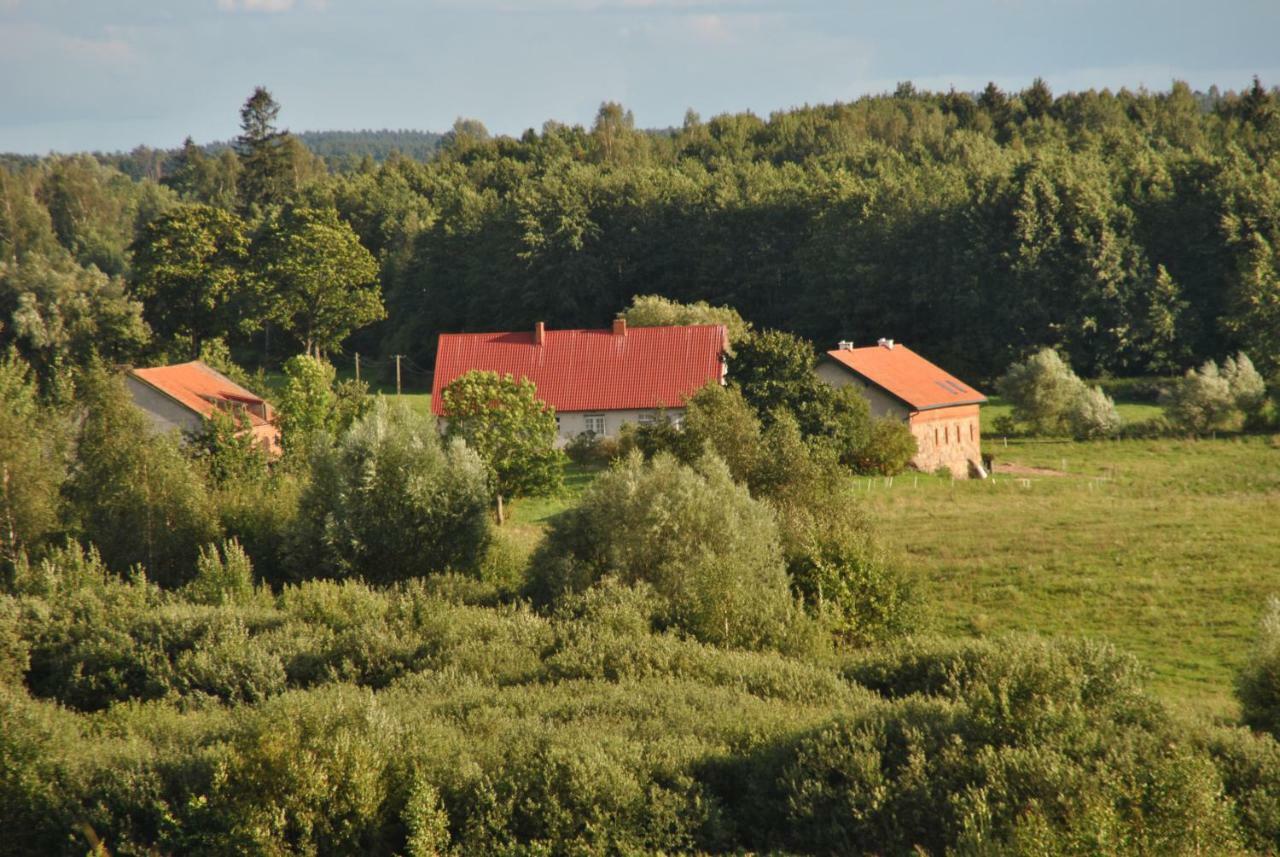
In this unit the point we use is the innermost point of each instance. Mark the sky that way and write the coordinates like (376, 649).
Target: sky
(108, 75)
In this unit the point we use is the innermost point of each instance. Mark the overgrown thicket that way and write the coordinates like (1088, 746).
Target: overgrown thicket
(334, 718)
(1132, 232)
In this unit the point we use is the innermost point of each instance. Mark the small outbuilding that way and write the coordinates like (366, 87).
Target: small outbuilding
(941, 410)
(184, 395)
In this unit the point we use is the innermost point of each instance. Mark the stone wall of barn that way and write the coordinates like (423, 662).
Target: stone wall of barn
(947, 437)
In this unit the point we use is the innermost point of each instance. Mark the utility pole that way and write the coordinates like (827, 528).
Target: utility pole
(398, 356)
(357, 367)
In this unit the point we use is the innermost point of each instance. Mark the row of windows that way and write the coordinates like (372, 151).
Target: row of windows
(594, 423)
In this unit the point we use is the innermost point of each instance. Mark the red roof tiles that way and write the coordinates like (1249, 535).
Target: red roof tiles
(640, 368)
(201, 389)
(907, 376)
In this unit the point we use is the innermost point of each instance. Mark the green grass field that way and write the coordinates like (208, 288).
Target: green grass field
(1167, 548)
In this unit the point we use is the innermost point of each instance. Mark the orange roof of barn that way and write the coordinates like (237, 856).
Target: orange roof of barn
(639, 368)
(907, 376)
(197, 386)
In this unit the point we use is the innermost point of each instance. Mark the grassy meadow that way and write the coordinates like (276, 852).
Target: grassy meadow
(1168, 548)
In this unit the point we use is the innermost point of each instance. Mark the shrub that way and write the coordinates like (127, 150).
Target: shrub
(719, 418)
(1258, 685)
(707, 548)
(223, 577)
(1012, 748)
(888, 450)
(1093, 415)
(1202, 401)
(390, 502)
(1248, 390)
(1042, 390)
(843, 576)
(590, 450)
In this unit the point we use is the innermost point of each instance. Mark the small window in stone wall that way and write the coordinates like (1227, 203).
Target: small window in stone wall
(935, 436)
(594, 423)
(971, 431)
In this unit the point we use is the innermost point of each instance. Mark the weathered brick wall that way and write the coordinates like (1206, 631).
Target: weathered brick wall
(947, 437)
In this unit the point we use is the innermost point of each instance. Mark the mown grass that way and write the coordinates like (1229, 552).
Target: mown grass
(1167, 548)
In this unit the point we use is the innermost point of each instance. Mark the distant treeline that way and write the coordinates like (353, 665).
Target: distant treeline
(1133, 231)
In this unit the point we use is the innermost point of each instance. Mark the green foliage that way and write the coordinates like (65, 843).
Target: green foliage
(315, 278)
(189, 272)
(709, 551)
(133, 494)
(227, 449)
(511, 430)
(1258, 685)
(305, 411)
(1093, 414)
(1202, 401)
(588, 450)
(390, 502)
(223, 576)
(61, 316)
(32, 463)
(657, 311)
(888, 450)
(1245, 383)
(404, 721)
(1042, 390)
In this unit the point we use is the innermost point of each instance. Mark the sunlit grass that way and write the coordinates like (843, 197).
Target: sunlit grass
(1168, 548)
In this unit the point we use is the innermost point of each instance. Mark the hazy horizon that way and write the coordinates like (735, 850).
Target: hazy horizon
(114, 75)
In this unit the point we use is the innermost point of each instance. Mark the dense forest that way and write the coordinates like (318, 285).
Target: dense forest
(1134, 232)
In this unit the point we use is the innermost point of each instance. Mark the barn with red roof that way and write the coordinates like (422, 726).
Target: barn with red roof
(597, 380)
(182, 396)
(941, 410)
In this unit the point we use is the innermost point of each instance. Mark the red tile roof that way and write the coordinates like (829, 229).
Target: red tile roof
(907, 376)
(641, 368)
(199, 388)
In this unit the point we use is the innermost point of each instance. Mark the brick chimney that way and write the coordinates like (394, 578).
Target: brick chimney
(539, 333)
(619, 327)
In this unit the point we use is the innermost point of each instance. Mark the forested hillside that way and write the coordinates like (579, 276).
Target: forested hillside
(1133, 231)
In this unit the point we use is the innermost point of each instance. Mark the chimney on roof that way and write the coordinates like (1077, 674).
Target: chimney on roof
(619, 327)
(539, 333)
(885, 343)
(844, 345)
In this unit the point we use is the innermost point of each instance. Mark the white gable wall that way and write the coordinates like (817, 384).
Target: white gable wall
(163, 412)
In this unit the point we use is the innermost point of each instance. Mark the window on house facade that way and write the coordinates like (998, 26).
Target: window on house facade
(648, 418)
(594, 423)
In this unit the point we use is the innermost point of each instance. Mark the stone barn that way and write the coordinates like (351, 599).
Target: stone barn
(941, 410)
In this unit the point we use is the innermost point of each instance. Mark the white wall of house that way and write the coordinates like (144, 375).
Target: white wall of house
(164, 413)
(882, 404)
(570, 424)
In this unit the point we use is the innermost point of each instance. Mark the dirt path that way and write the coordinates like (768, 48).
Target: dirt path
(1025, 470)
